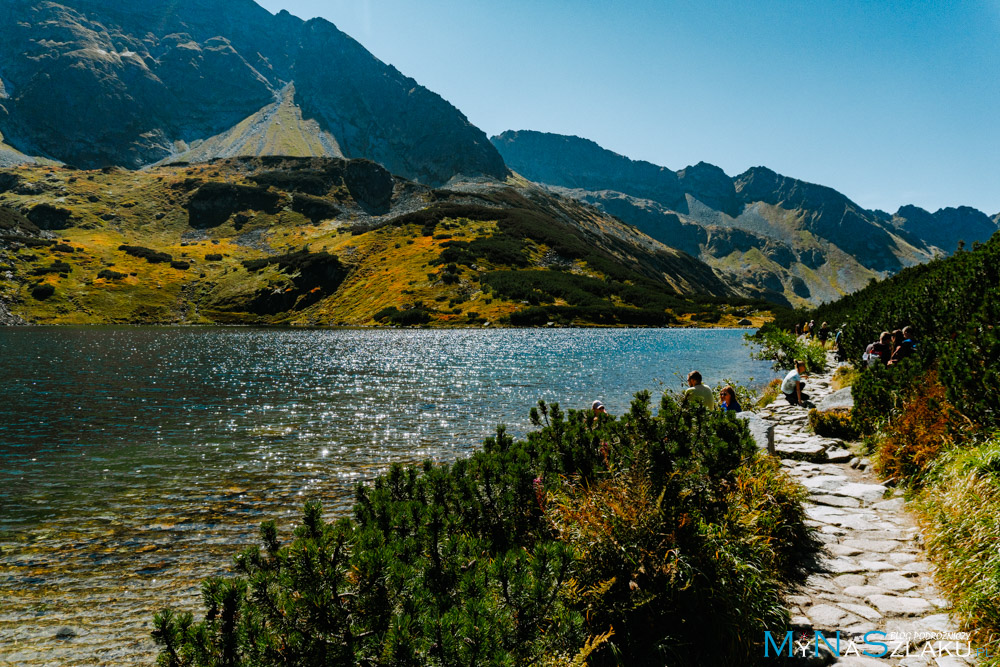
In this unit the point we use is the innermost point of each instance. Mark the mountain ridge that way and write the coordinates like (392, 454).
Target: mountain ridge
(802, 243)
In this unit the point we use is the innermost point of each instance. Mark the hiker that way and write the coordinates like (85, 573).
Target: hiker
(728, 401)
(824, 333)
(805, 329)
(879, 351)
(838, 344)
(697, 392)
(905, 348)
(792, 385)
(798, 329)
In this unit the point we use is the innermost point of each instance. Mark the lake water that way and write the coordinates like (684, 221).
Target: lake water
(136, 461)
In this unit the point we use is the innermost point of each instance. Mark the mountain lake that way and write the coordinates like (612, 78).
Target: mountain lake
(135, 461)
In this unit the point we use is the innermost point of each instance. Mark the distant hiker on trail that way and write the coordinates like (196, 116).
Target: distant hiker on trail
(838, 344)
(905, 348)
(792, 385)
(805, 329)
(798, 329)
(727, 400)
(697, 392)
(879, 351)
(824, 333)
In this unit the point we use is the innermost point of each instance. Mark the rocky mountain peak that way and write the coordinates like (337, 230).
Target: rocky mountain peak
(710, 185)
(99, 82)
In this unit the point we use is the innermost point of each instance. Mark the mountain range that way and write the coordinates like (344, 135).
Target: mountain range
(797, 242)
(168, 88)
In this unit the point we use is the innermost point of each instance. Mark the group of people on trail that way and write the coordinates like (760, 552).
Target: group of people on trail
(891, 348)
(809, 329)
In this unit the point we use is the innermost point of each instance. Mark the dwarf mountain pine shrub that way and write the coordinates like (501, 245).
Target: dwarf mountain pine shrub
(640, 540)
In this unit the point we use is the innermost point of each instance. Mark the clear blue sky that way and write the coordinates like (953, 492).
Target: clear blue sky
(889, 102)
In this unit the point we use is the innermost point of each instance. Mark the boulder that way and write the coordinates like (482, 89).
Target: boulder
(838, 400)
(761, 430)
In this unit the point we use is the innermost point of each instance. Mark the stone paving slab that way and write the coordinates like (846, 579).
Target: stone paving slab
(872, 573)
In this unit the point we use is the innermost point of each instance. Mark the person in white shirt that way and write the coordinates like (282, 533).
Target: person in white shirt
(792, 385)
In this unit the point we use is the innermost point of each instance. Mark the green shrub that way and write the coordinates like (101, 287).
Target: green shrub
(641, 540)
(42, 292)
(880, 391)
(150, 255)
(784, 347)
(954, 305)
(108, 274)
(405, 318)
(833, 424)
(57, 266)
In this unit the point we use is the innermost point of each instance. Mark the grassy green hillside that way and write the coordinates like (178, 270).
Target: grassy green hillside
(331, 242)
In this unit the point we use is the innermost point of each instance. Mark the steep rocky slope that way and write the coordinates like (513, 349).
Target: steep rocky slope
(331, 241)
(113, 82)
(277, 129)
(791, 241)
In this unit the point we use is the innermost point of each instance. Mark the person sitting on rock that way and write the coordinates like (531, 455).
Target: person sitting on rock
(727, 400)
(697, 392)
(792, 385)
(905, 348)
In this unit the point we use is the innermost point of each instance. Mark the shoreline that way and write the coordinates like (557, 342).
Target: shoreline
(366, 327)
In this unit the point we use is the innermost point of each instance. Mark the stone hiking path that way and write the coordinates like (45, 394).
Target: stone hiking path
(872, 573)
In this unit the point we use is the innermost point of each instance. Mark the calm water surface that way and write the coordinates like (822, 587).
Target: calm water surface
(136, 461)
